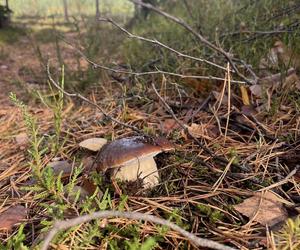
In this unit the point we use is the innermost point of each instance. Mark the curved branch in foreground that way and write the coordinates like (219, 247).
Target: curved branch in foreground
(61, 225)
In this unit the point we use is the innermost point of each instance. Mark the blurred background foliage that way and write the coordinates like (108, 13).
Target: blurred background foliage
(45, 8)
(247, 29)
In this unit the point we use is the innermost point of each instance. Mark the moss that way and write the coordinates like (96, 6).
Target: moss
(212, 214)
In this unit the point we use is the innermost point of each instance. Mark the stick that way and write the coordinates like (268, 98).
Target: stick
(89, 102)
(197, 35)
(61, 225)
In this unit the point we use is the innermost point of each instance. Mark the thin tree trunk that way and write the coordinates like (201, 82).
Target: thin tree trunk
(66, 10)
(6, 4)
(97, 9)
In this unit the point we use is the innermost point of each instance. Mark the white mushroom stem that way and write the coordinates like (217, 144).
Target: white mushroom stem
(144, 169)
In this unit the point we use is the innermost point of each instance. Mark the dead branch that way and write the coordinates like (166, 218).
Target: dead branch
(61, 225)
(158, 43)
(76, 95)
(197, 35)
(186, 130)
(156, 72)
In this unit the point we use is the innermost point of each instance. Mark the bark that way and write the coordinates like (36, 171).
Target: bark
(97, 9)
(66, 10)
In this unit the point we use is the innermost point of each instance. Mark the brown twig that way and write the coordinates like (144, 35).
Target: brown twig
(197, 35)
(186, 130)
(158, 43)
(76, 95)
(138, 74)
(183, 126)
(61, 225)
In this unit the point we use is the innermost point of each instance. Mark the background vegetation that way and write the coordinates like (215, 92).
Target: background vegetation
(242, 141)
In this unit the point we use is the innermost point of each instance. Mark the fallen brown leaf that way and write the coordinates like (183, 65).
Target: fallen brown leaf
(61, 166)
(62, 247)
(291, 82)
(245, 96)
(264, 207)
(12, 216)
(207, 131)
(217, 95)
(168, 125)
(22, 138)
(93, 144)
(256, 90)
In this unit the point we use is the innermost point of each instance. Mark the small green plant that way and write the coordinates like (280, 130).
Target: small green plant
(289, 236)
(37, 150)
(212, 214)
(16, 241)
(56, 103)
(135, 244)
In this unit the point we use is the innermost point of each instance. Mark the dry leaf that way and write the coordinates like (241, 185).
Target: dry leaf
(217, 96)
(12, 216)
(21, 138)
(248, 110)
(93, 144)
(62, 247)
(207, 131)
(61, 166)
(256, 90)
(87, 189)
(292, 81)
(89, 186)
(168, 125)
(264, 208)
(245, 96)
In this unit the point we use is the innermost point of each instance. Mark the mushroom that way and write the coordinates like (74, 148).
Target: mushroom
(131, 159)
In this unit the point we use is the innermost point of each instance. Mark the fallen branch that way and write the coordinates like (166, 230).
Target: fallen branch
(197, 35)
(62, 225)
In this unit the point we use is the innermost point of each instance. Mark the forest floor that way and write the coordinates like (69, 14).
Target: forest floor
(233, 177)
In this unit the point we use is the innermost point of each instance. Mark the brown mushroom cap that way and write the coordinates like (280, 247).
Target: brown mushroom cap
(124, 151)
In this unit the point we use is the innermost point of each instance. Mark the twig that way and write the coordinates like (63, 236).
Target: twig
(186, 130)
(189, 10)
(248, 32)
(183, 126)
(138, 74)
(197, 35)
(61, 225)
(89, 102)
(285, 180)
(158, 43)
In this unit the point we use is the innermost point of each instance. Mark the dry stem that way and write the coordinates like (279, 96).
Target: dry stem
(60, 225)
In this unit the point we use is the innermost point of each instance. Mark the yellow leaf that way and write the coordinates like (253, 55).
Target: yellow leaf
(245, 96)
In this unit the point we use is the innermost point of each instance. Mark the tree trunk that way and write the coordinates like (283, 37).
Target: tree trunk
(97, 9)
(6, 4)
(66, 10)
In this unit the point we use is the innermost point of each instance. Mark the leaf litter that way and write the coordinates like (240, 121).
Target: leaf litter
(187, 176)
(265, 208)
(12, 216)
